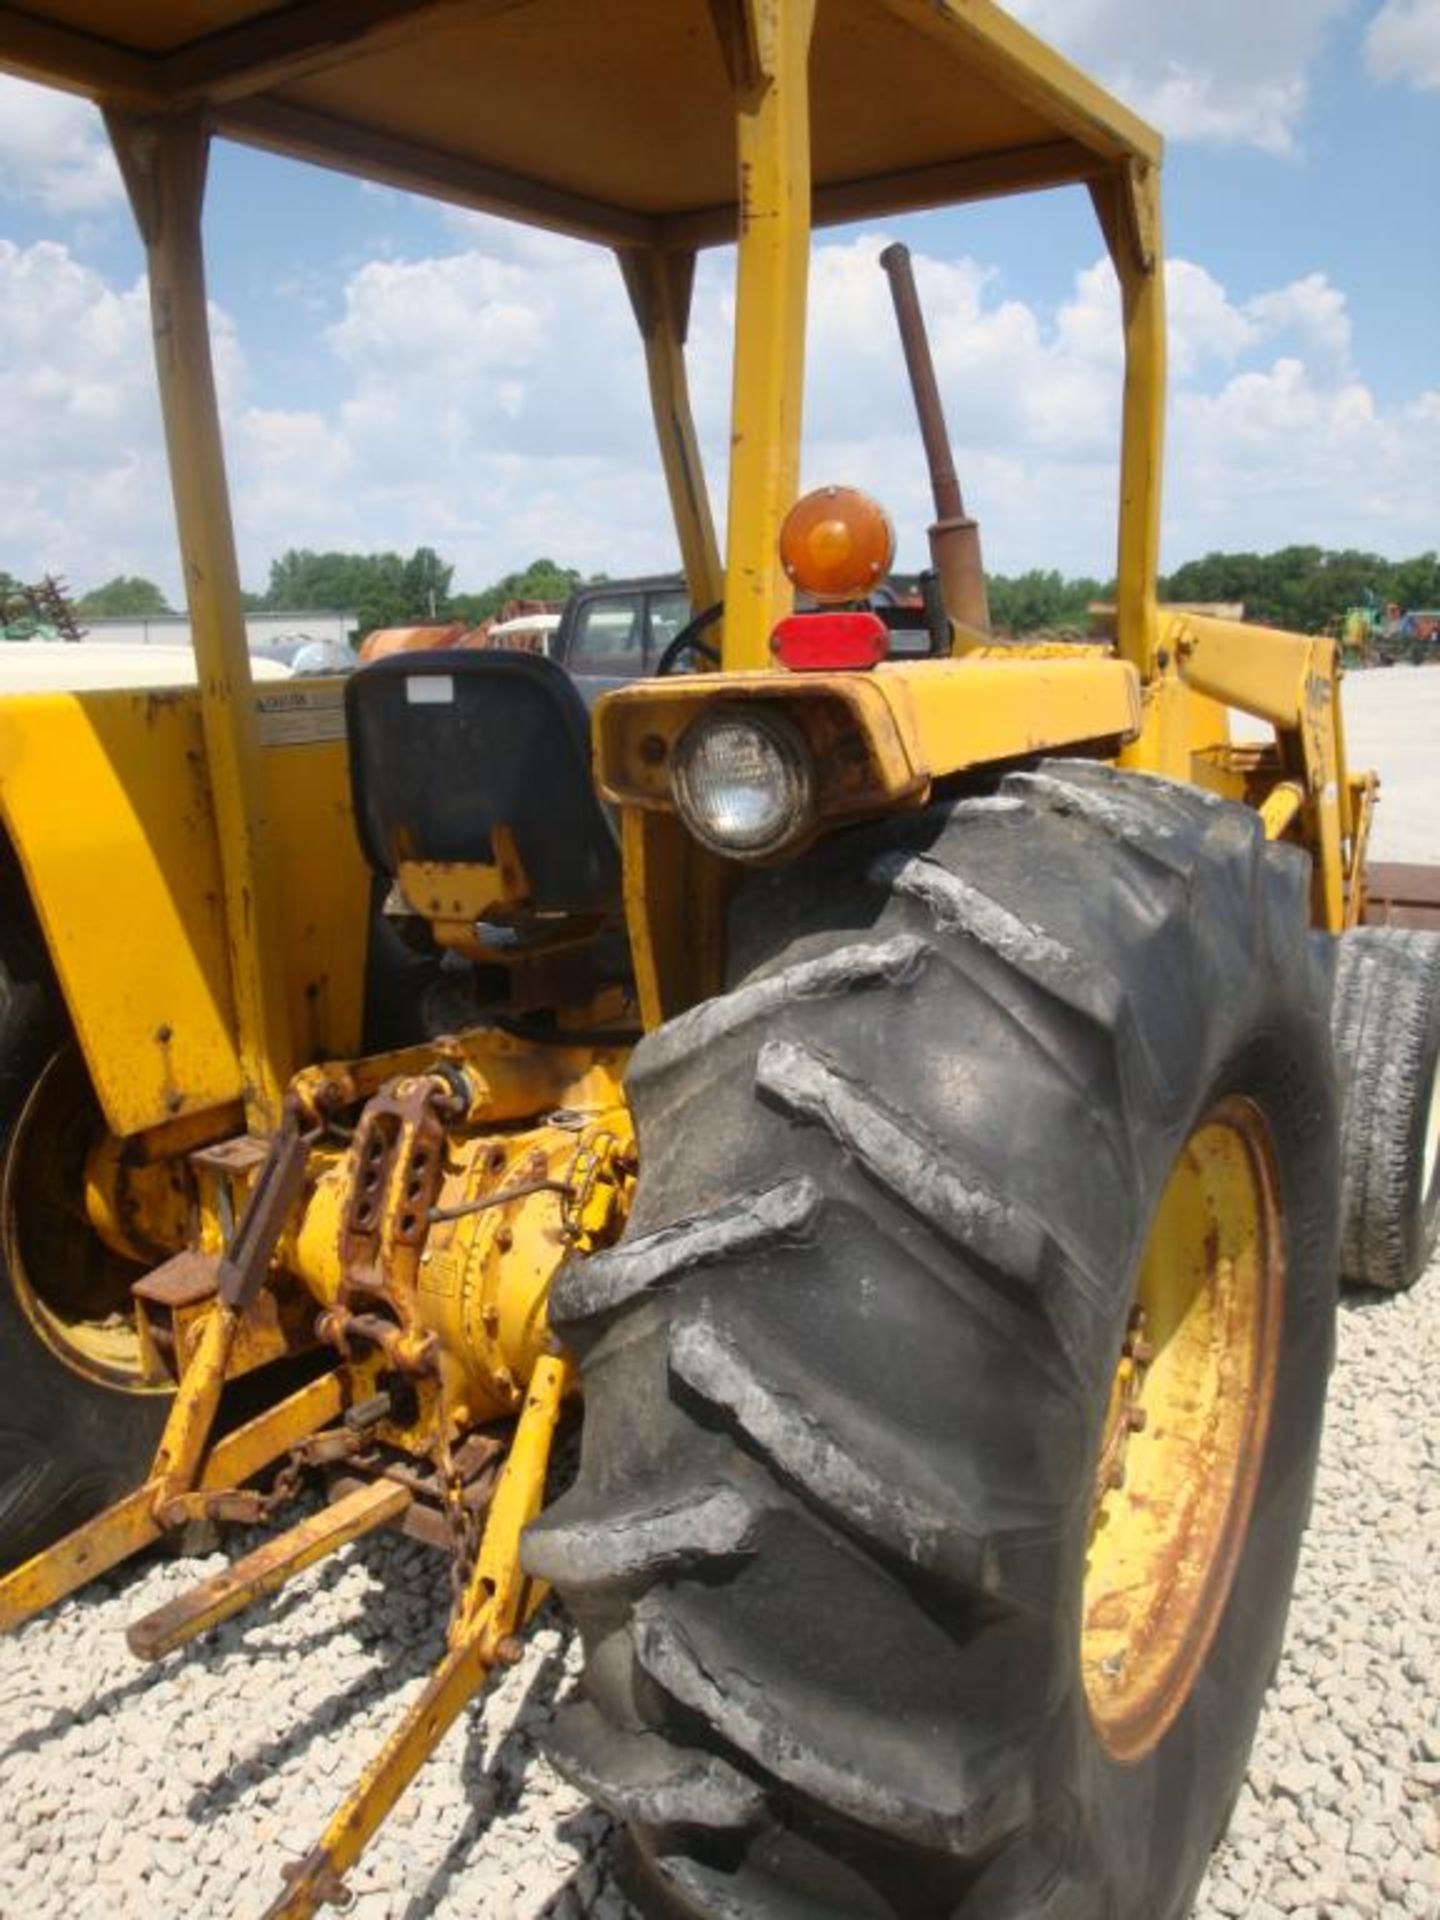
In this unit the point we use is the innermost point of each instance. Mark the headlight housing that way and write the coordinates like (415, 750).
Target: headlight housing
(744, 780)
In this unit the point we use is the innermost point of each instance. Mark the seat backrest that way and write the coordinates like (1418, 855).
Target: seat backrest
(445, 747)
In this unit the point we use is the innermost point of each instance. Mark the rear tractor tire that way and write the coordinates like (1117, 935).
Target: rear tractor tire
(953, 1400)
(77, 1425)
(1387, 1045)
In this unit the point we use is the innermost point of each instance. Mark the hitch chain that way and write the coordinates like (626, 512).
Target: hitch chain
(463, 1526)
(324, 1449)
(328, 1448)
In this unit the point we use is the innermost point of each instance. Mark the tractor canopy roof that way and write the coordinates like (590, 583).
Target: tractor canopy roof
(610, 119)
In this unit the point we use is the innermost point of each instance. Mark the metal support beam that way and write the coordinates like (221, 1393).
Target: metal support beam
(498, 1600)
(301, 134)
(1292, 681)
(773, 128)
(734, 22)
(133, 1521)
(660, 287)
(163, 161)
(986, 176)
(272, 49)
(1127, 203)
(1023, 68)
(59, 56)
(269, 50)
(90, 1550)
(265, 1570)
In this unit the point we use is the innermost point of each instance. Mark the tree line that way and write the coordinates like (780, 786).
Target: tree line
(389, 590)
(1303, 589)
(1306, 589)
(381, 589)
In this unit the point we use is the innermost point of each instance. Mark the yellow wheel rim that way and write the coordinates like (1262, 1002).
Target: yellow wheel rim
(73, 1290)
(1185, 1431)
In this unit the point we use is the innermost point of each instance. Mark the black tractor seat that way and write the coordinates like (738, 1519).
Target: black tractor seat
(446, 747)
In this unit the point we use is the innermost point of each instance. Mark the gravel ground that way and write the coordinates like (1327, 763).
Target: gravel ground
(181, 1790)
(1392, 717)
(1339, 1812)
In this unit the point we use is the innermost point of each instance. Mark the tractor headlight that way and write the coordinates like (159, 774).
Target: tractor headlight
(744, 780)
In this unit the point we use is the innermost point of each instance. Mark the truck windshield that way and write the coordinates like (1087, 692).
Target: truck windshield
(669, 612)
(610, 636)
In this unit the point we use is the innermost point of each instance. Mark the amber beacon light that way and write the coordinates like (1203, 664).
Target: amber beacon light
(837, 543)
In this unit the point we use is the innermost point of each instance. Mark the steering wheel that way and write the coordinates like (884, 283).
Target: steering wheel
(688, 640)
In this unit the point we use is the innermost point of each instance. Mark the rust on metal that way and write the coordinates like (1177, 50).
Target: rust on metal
(476, 1463)
(409, 1349)
(399, 1159)
(1125, 1415)
(236, 1158)
(1402, 894)
(1168, 1529)
(501, 1198)
(277, 1187)
(182, 1281)
(328, 1448)
(248, 1448)
(240, 1506)
(497, 1602)
(100, 1544)
(317, 1880)
(954, 536)
(312, 1882)
(267, 1569)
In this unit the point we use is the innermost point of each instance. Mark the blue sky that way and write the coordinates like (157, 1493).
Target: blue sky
(393, 372)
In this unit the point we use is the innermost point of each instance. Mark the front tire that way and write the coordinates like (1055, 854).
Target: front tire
(853, 1371)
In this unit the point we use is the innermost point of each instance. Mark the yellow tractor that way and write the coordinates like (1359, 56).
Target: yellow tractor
(889, 1076)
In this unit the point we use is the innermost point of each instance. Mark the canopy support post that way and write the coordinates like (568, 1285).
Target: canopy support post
(660, 286)
(163, 161)
(1127, 202)
(773, 128)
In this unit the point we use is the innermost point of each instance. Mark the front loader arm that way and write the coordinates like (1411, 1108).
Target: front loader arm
(1291, 681)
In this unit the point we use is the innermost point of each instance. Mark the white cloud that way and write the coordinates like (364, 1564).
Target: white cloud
(1310, 310)
(85, 493)
(492, 403)
(496, 407)
(1228, 72)
(1362, 480)
(53, 151)
(1034, 411)
(85, 475)
(1403, 43)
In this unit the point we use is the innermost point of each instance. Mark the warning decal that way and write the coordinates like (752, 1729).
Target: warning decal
(300, 716)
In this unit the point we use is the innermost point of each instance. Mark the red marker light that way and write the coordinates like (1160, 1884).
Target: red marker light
(830, 642)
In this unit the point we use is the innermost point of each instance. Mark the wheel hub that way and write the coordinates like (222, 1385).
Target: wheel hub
(1185, 1430)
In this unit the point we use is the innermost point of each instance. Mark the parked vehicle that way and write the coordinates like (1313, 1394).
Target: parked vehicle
(527, 632)
(1378, 636)
(81, 666)
(621, 630)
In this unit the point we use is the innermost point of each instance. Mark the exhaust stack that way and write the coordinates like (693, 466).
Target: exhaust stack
(954, 536)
